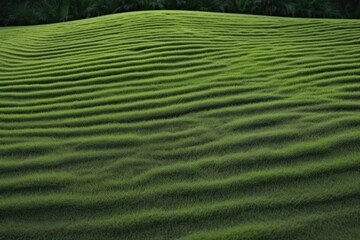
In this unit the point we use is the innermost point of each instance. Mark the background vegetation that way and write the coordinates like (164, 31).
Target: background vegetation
(25, 12)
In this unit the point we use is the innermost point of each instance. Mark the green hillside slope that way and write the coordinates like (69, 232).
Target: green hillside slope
(180, 125)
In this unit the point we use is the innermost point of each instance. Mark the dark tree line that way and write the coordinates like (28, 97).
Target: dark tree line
(25, 12)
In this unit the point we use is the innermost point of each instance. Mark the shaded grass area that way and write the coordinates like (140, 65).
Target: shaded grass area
(180, 125)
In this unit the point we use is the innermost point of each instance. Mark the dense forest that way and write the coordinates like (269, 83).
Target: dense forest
(27, 12)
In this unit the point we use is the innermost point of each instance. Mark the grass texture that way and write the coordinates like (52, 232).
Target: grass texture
(180, 125)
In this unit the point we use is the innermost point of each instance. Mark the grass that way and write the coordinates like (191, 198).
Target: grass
(180, 125)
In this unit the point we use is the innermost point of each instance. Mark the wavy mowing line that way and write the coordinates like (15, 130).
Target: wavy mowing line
(92, 59)
(348, 96)
(274, 230)
(127, 223)
(104, 47)
(223, 161)
(319, 61)
(122, 87)
(166, 113)
(168, 37)
(314, 71)
(127, 25)
(38, 181)
(334, 85)
(293, 50)
(56, 161)
(256, 157)
(96, 64)
(118, 209)
(13, 69)
(253, 177)
(57, 42)
(296, 38)
(56, 38)
(144, 38)
(322, 77)
(186, 49)
(100, 61)
(130, 64)
(147, 220)
(127, 107)
(249, 165)
(202, 194)
(14, 65)
(162, 112)
(149, 70)
(147, 126)
(319, 146)
(129, 29)
(289, 105)
(143, 220)
(294, 55)
(318, 50)
(325, 41)
(112, 96)
(264, 120)
(316, 67)
(178, 230)
(339, 81)
(132, 80)
(109, 75)
(112, 90)
(96, 142)
(78, 75)
(304, 42)
(124, 200)
(183, 33)
(111, 48)
(128, 60)
(13, 55)
(146, 84)
(293, 153)
(336, 40)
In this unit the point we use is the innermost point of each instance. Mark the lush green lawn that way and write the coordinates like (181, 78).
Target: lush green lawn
(180, 125)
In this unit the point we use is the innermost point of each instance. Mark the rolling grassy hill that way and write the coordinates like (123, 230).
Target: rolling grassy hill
(180, 125)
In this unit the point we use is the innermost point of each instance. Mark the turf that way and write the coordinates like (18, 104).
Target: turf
(180, 125)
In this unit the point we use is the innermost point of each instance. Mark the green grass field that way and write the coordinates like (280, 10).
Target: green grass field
(180, 125)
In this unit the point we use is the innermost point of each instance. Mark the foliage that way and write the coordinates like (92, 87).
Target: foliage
(21, 12)
(17, 13)
(54, 10)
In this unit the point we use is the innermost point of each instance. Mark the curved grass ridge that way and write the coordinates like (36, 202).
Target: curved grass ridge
(180, 125)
